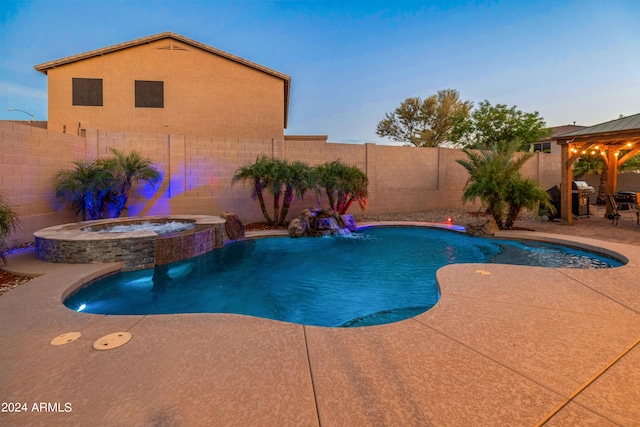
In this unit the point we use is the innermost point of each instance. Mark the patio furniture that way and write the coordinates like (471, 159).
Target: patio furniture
(614, 212)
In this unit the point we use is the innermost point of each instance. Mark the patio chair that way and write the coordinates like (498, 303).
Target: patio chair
(614, 213)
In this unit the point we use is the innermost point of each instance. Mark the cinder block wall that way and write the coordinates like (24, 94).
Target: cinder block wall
(30, 157)
(197, 173)
(627, 181)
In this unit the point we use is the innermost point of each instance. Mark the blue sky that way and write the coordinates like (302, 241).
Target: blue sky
(353, 61)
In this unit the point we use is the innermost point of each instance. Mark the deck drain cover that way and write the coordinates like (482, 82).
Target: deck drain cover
(113, 340)
(482, 272)
(65, 338)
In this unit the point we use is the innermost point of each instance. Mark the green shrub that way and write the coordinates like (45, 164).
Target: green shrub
(8, 221)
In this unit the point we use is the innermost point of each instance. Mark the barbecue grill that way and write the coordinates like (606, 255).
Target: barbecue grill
(580, 192)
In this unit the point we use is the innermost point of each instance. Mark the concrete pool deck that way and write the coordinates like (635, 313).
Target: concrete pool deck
(517, 346)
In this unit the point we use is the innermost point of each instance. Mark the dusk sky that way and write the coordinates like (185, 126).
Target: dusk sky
(353, 61)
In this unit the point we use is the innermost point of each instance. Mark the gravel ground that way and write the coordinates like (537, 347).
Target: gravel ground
(458, 216)
(9, 281)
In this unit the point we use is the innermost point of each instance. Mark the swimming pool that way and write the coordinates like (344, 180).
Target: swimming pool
(376, 276)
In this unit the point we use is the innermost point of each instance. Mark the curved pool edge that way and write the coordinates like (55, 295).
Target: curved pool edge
(609, 249)
(581, 243)
(477, 358)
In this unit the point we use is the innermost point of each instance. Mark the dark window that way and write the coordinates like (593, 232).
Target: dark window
(149, 94)
(545, 147)
(87, 92)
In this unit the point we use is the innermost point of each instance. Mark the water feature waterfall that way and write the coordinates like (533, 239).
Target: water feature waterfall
(321, 222)
(329, 226)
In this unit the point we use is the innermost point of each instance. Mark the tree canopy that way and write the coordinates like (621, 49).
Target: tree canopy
(489, 125)
(425, 123)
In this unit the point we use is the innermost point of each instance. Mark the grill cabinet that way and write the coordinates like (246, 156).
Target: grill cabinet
(580, 192)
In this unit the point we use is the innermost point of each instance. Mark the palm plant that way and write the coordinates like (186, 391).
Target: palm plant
(87, 186)
(525, 194)
(92, 186)
(282, 179)
(8, 222)
(128, 169)
(343, 185)
(328, 178)
(631, 165)
(297, 178)
(259, 175)
(494, 177)
(353, 187)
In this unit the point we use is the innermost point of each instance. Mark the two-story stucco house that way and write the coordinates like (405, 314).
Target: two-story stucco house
(166, 83)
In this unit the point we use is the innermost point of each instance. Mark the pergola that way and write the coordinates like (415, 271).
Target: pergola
(608, 139)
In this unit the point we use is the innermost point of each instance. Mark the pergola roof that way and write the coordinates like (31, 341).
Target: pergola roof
(608, 139)
(622, 130)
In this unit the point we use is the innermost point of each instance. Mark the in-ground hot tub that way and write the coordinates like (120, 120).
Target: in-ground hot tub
(139, 248)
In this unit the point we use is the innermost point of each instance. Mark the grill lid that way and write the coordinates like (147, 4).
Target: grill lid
(582, 186)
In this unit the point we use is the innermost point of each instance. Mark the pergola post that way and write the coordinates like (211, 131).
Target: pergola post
(612, 172)
(565, 186)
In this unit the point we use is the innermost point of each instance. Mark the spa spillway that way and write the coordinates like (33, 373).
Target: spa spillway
(138, 247)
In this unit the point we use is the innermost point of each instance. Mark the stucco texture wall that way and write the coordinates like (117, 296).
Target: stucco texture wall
(204, 94)
(197, 173)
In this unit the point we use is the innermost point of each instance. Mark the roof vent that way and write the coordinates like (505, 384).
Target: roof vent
(173, 47)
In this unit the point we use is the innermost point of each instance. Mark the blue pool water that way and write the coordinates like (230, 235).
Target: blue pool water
(377, 276)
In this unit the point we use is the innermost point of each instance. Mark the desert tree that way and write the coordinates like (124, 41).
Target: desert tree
(491, 125)
(425, 123)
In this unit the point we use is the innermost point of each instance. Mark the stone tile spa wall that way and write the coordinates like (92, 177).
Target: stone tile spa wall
(138, 250)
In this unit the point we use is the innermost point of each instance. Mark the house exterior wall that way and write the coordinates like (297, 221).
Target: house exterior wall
(197, 173)
(204, 94)
(549, 145)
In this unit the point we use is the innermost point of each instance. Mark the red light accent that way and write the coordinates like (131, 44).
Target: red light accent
(449, 219)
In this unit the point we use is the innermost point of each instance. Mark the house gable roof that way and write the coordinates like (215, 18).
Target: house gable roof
(559, 130)
(45, 67)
